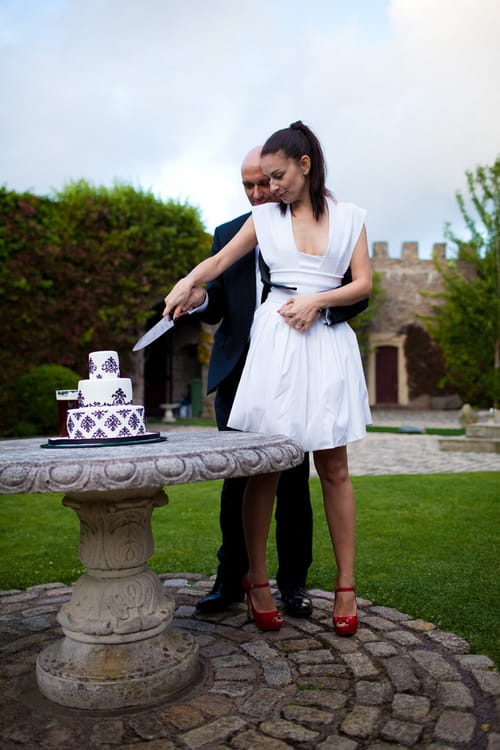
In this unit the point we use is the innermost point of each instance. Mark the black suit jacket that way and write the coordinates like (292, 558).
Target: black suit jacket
(232, 300)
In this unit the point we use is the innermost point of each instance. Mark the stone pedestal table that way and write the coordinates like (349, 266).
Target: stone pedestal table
(119, 648)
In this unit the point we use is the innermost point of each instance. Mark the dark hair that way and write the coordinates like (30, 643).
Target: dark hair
(295, 142)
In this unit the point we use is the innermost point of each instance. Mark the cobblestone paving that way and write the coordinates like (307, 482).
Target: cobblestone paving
(386, 453)
(398, 683)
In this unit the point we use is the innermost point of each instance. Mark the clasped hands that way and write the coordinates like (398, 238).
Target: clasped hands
(300, 312)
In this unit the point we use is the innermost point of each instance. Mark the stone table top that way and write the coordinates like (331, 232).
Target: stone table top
(181, 459)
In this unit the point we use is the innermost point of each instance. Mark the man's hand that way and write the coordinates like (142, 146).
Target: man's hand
(196, 298)
(300, 312)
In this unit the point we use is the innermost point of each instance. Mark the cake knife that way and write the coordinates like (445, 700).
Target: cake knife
(164, 325)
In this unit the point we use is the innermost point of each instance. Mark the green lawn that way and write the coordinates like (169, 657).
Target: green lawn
(427, 545)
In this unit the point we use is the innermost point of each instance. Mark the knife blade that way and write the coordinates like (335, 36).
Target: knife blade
(164, 325)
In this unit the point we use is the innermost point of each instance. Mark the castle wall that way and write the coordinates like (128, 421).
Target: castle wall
(403, 280)
(397, 372)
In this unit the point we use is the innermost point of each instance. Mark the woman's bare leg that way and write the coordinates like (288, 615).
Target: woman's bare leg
(339, 503)
(258, 502)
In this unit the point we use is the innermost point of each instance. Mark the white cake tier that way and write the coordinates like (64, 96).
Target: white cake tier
(103, 365)
(97, 423)
(114, 392)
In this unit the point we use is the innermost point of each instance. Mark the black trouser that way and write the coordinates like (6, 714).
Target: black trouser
(293, 512)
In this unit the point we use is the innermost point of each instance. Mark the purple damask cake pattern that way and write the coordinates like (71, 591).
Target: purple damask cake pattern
(119, 397)
(93, 424)
(114, 398)
(110, 366)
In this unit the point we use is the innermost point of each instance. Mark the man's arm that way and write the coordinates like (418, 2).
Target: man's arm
(335, 315)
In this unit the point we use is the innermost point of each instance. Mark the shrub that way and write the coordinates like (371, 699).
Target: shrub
(35, 400)
(425, 365)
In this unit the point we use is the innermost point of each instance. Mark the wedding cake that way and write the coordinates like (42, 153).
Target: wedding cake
(105, 408)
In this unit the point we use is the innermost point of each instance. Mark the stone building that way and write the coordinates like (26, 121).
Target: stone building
(404, 366)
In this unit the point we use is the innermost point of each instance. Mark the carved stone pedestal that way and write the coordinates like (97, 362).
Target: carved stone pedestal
(118, 650)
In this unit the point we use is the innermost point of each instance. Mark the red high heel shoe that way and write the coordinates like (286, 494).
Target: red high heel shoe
(264, 620)
(347, 625)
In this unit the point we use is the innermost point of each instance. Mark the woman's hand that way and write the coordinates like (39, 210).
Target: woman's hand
(196, 297)
(176, 299)
(300, 312)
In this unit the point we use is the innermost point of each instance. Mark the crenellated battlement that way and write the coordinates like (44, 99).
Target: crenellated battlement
(409, 253)
(403, 280)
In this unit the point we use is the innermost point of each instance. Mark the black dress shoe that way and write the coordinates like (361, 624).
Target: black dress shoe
(297, 602)
(220, 598)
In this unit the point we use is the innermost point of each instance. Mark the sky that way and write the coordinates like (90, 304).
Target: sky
(169, 96)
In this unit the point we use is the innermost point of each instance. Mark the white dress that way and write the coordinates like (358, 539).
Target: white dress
(309, 386)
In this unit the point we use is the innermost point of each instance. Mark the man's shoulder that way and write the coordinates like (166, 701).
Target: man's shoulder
(232, 226)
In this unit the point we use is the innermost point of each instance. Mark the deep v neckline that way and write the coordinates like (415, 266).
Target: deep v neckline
(329, 206)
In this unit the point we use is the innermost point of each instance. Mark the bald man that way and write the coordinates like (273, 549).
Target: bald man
(232, 299)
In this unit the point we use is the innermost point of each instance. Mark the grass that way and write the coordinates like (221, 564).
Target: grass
(192, 421)
(444, 431)
(427, 545)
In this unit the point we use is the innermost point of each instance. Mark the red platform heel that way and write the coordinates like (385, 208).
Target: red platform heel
(264, 620)
(346, 625)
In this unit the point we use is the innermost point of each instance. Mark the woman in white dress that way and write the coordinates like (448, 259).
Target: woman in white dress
(301, 378)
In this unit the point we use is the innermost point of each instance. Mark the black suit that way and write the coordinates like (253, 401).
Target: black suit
(232, 300)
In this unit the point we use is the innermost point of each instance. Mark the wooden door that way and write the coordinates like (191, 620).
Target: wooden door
(386, 374)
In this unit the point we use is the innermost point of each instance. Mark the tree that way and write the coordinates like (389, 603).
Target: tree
(127, 249)
(424, 363)
(466, 325)
(361, 323)
(83, 270)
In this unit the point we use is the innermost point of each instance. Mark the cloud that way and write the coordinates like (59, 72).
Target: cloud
(404, 96)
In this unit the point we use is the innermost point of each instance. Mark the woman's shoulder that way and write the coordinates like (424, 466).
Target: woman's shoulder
(349, 211)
